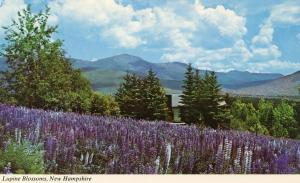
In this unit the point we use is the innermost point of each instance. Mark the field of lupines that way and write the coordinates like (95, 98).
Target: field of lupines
(76, 143)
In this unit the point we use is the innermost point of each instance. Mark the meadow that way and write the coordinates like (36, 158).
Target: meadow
(74, 143)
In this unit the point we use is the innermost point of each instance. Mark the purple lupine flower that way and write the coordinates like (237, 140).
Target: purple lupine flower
(138, 146)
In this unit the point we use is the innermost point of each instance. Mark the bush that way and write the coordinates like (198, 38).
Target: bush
(24, 158)
(104, 105)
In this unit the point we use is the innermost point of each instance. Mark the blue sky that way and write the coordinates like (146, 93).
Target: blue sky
(220, 35)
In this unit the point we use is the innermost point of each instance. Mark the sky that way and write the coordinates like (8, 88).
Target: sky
(220, 35)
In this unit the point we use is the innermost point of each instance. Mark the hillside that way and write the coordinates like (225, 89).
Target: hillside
(106, 74)
(285, 86)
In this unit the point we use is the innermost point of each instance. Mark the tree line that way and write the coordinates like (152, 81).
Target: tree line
(204, 105)
(267, 118)
(40, 76)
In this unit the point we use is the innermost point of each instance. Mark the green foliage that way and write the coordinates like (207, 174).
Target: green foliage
(252, 121)
(278, 121)
(129, 96)
(215, 114)
(142, 97)
(284, 120)
(38, 73)
(265, 112)
(24, 158)
(154, 97)
(202, 102)
(104, 105)
(188, 97)
(246, 117)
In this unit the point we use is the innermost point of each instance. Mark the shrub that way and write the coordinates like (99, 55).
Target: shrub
(104, 105)
(24, 158)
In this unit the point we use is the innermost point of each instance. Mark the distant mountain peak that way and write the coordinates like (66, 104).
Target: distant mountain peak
(237, 71)
(126, 55)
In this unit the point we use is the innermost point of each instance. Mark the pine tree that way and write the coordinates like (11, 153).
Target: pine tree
(215, 114)
(188, 96)
(154, 98)
(129, 96)
(198, 99)
(142, 98)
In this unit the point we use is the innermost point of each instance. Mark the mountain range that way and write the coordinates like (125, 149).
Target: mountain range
(284, 86)
(106, 75)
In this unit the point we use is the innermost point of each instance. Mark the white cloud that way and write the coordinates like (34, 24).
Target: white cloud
(226, 20)
(53, 20)
(273, 66)
(9, 9)
(263, 47)
(94, 59)
(228, 24)
(206, 59)
(286, 13)
(175, 31)
(131, 28)
(93, 12)
(123, 38)
(114, 18)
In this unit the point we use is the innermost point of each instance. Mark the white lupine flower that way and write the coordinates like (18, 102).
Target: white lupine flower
(168, 152)
(91, 158)
(81, 157)
(237, 160)
(86, 159)
(248, 160)
(16, 134)
(97, 145)
(228, 146)
(37, 130)
(157, 165)
(220, 148)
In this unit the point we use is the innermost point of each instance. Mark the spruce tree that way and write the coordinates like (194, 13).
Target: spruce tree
(213, 107)
(129, 96)
(154, 98)
(215, 114)
(142, 98)
(198, 99)
(188, 96)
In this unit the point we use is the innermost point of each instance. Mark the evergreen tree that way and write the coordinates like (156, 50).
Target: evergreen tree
(188, 96)
(142, 98)
(129, 96)
(38, 73)
(199, 100)
(212, 91)
(154, 98)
